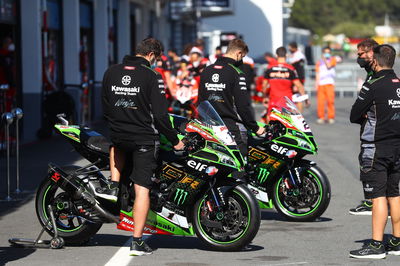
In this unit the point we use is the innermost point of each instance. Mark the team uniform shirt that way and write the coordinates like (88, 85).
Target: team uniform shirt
(224, 86)
(326, 75)
(134, 102)
(379, 101)
(280, 77)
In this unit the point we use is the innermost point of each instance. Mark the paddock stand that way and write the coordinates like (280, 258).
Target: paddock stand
(56, 242)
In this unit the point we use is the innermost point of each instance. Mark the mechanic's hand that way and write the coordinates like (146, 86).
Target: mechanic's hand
(260, 131)
(179, 146)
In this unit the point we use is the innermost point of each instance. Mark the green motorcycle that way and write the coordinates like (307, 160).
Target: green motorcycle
(198, 192)
(278, 174)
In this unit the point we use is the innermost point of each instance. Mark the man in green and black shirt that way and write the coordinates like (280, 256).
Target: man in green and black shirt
(224, 85)
(365, 53)
(377, 110)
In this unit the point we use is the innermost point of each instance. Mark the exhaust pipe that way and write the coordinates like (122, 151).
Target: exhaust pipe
(68, 183)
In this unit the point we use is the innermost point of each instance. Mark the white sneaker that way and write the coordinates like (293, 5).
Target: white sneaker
(331, 121)
(320, 121)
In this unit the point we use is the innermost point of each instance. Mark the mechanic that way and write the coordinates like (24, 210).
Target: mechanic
(135, 107)
(223, 84)
(377, 110)
(365, 53)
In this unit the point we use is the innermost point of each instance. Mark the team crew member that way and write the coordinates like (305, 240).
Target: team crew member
(281, 77)
(365, 53)
(377, 111)
(135, 106)
(224, 86)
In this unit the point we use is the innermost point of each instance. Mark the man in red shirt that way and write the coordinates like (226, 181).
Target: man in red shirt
(280, 79)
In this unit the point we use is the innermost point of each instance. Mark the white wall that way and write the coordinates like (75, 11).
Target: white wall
(260, 23)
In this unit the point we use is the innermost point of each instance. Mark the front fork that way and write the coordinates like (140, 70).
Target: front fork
(216, 201)
(293, 179)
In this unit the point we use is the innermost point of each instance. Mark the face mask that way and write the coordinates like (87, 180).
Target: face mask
(196, 63)
(362, 62)
(327, 55)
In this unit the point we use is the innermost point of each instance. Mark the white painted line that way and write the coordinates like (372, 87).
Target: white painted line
(121, 258)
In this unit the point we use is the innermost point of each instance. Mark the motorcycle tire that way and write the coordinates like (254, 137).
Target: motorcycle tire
(312, 199)
(74, 230)
(240, 221)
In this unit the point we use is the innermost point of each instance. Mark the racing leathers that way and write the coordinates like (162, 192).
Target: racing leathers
(134, 102)
(224, 86)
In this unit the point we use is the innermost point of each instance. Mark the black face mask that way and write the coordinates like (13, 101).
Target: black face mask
(362, 62)
(238, 63)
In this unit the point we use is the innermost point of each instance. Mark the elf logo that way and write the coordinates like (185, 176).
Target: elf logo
(279, 149)
(196, 165)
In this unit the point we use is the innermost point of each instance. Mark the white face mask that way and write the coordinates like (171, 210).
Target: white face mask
(196, 63)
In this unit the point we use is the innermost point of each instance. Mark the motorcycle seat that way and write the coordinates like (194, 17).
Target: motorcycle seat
(95, 141)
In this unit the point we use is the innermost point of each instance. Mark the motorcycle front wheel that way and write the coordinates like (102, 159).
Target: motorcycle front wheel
(74, 229)
(231, 228)
(304, 203)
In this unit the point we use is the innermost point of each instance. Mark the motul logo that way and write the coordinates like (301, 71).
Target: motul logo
(197, 166)
(279, 149)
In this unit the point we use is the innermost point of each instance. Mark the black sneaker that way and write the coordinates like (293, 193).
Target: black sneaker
(108, 193)
(393, 247)
(140, 248)
(365, 208)
(374, 250)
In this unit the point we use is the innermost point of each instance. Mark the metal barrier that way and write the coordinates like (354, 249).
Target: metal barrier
(348, 80)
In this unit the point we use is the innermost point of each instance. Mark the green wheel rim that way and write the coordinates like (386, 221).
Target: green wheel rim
(300, 214)
(240, 236)
(45, 214)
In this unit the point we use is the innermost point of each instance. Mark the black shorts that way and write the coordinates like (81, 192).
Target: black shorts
(141, 160)
(380, 170)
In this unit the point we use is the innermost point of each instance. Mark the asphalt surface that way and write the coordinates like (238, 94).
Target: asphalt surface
(278, 242)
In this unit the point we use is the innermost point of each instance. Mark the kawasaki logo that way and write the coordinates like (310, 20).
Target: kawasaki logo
(263, 175)
(180, 196)
(197, 166)
(279, 149)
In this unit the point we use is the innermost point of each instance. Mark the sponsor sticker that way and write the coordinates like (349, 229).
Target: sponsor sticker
(129, 67)
(218, 67)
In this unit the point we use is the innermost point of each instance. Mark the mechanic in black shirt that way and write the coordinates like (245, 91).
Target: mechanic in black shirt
(377, 110)
(135, 107)
(223, 84)
(365, 54)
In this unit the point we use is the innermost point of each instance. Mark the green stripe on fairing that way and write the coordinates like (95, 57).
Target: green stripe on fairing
(45, 215)
(311, 211)
(153, 216)
(245, 230)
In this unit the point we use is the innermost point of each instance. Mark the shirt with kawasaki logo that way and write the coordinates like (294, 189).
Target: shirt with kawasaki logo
(134, 102)
(224, 86)
(377, 109)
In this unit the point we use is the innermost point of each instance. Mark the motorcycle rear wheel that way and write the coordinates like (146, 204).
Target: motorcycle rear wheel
(240, 221)
(74, 229)
(312, 199)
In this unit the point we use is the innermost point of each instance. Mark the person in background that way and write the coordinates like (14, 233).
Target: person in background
(298, 61)
(218, 53)
(325, 86)
(279, 80)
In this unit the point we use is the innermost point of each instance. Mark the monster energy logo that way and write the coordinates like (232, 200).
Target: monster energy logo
(180, 196)
(262, 175)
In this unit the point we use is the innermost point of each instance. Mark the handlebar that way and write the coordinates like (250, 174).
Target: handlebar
(64, 121)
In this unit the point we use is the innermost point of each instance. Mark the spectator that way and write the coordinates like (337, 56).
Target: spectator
(325, 86)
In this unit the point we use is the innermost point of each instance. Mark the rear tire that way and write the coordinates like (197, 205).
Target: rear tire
(74, 230)
(241, 221)
(310, 203)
